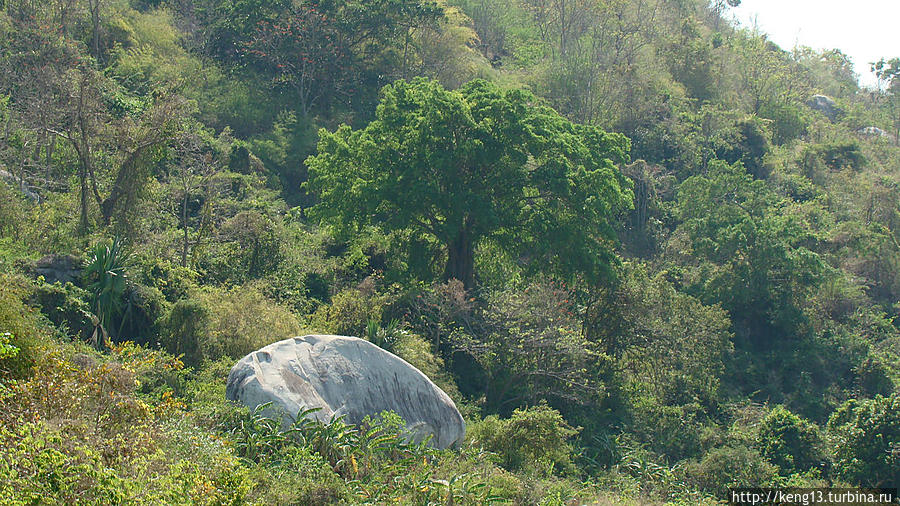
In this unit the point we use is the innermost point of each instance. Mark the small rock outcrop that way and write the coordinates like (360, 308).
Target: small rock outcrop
(873, 132)
(57, 268)
(24, 188)
(825, 105)
(345, 376)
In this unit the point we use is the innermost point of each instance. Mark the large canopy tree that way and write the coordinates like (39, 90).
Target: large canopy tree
(477, 163)
(753, 252)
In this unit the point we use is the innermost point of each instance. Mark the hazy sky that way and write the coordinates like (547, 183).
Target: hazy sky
(864, 30)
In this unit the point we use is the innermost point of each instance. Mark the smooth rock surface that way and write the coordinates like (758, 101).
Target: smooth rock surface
(345, 376)
(825, 105)
(873, 132)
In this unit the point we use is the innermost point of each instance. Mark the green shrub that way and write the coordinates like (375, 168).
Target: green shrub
(251, 248)
(528, 343)
(205, 389)
(173, 281)
(301, 476)
(66, 306)
(184, 330)
(242, 320)
(415, 350)
(865, 435)
(143, 308)
(21, 323)
(286, 286)
(534, 440)
(673, 431)
(41, 466)
(351, 310)
(842, 154)
(105, 275)
(7, 351)
(790, 442)
(12, 208)
(789, 121)
(873, 377)
(727, 467)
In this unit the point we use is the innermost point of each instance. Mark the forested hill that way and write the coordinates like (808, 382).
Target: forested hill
(649, 254)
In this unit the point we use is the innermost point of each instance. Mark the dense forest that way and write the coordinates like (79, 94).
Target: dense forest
(649, 254)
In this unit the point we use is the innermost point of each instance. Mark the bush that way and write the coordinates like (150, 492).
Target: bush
(184, 330)
(530, 346)
(351, 310)
(415, 350)
(12, 210)
(790, 442)
(534, 440)
(673, 431)
(866, 439)
(839, 155)
(173, 281)
(301, 476)
(728, 467)
(789, 121)
(833, 155)
(242, 320)
(143, 307)
(873, 377)
(21, 324)
(40, 466)
(66, 306)
(252, 248)
(206, 388)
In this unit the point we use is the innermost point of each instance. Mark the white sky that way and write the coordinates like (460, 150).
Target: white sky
(864, 30)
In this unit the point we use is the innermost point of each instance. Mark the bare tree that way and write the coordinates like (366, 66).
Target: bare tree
(139, 138)
(196, 165)
(94, 7)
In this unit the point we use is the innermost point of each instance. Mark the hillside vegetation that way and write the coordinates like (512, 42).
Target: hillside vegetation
(649, 254)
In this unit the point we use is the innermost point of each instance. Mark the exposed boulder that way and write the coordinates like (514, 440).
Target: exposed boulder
(345, 376)
(14, 182)
(825, 105)
(61, 268)
(873, 132)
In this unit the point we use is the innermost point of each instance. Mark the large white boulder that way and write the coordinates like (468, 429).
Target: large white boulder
(345, 376)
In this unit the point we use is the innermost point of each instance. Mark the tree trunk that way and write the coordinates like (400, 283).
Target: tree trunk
(83, 222)
(461, 258)
(95, 25)
(184, 225)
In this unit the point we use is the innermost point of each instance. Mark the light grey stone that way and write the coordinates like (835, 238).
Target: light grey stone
(57, 268)
(13, 181)
(825, 105)
(345, 376)
(873, 132)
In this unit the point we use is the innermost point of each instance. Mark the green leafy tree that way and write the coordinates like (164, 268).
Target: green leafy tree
(459, 167)
(752, 250)
(888, 74)
(790, 442)
(534, 439)
(865, 436)
(668, 345)
(532, 349)
(316, 48)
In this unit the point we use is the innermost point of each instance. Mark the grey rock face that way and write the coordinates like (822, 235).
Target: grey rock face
(873, 132)
(345, 376)
(57, 268)
(13, 181)
(825, 105)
